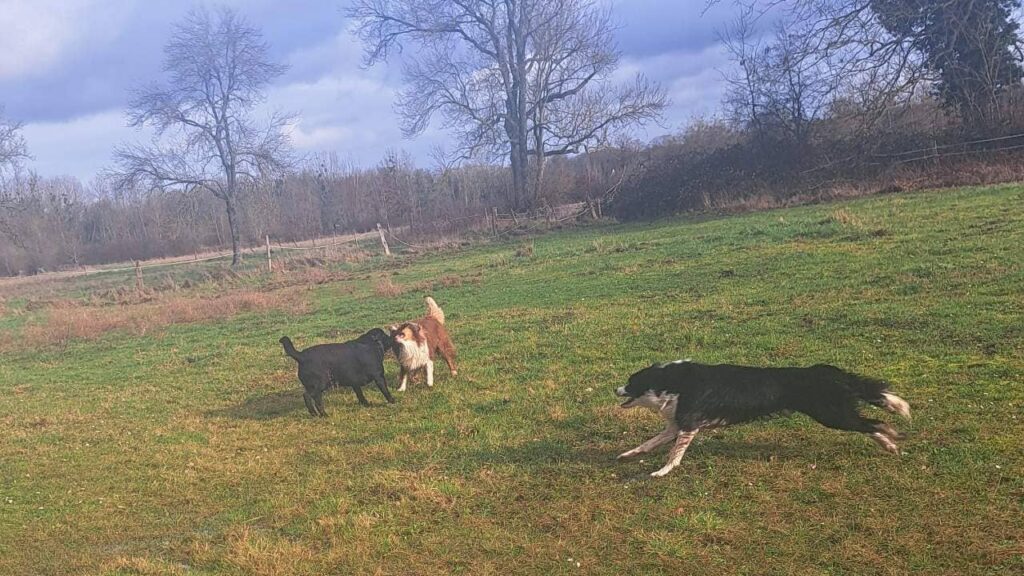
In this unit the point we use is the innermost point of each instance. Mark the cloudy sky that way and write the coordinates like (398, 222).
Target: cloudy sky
(66, 67)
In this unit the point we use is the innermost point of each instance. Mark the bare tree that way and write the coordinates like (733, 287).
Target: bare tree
(881, 52)
(12, 148)
(206, 136)
(12, 152)
(512, 79)
(783, 87)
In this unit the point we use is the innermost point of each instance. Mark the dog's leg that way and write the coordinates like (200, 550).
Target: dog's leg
(675, 455)
(666, 435)
(382, 385)
(886, 436)
(430, 373)
(846, 417)
(359, 395)
(318, 401)
(403, 377)
(885, 442)
(449, 357)
(308, 399)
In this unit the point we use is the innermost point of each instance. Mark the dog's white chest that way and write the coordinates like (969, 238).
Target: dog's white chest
(414, 356)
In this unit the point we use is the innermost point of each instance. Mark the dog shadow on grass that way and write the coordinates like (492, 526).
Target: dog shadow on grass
(267, 407)
(571, 447)
(288, 403)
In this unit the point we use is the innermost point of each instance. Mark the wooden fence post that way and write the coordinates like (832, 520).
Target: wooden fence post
(494, 219)
(270, 264)
(383, 240)
(138, 277)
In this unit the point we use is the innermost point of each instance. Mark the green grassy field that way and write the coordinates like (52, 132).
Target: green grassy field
(187, 450)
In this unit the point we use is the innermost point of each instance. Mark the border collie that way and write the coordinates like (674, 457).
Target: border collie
(418, 343)
(692, 396)
(355, 364)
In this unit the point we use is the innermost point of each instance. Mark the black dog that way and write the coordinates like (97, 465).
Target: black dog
(692, 396)
(354, 364)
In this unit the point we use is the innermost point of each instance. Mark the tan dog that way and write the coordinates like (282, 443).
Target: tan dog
(418, 343)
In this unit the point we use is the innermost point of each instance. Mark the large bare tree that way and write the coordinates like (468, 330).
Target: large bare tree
(12, 152)
(206, 134)
(513, 79)
(12, 148)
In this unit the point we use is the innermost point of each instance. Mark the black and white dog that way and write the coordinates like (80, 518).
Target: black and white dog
(692, 396)
(354, 364)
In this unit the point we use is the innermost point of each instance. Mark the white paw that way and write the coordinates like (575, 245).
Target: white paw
(401, 388)
(660, 473)
(628, 454)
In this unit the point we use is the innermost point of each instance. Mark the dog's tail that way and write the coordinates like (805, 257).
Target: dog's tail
(289, 348)
(876, 393)
(434, 311)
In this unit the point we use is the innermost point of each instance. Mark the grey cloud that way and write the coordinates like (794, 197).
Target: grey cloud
(116, 55)
(74, 112)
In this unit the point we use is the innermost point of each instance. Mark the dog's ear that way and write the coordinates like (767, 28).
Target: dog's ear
(418, 332)
(382, 339)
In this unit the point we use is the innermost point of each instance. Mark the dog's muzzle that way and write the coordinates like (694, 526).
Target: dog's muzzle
(621, 393)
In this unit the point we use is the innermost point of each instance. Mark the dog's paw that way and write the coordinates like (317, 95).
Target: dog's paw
(660, 473)
(455, 372)
(627, 454)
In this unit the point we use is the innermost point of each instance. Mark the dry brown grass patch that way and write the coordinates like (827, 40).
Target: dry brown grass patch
(69, 320)
(844, 217)
(447, 281)
(144, 567)
(388, 289)
(265, 555)
(352, 256)
(302, 275)
(525, 250)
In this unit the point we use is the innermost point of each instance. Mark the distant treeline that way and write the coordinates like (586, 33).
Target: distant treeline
(716, 165)
(58, 223)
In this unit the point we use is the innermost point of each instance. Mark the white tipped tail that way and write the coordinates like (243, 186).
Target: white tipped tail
(895, 404)
(434, 311)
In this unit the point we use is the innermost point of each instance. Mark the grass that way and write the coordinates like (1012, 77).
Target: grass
(187, 450)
